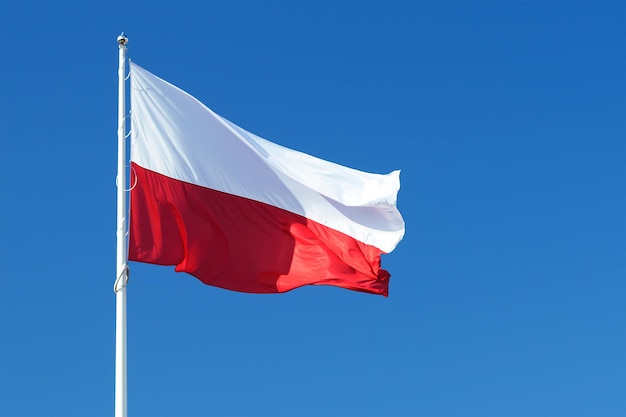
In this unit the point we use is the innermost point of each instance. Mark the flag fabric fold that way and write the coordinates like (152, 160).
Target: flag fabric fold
(242, 213)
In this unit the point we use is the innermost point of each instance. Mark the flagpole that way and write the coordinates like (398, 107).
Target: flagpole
(122, 246)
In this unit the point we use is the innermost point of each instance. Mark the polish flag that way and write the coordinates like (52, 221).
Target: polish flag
(242, 213)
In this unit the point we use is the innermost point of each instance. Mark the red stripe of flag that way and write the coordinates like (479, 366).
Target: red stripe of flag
(243, 245)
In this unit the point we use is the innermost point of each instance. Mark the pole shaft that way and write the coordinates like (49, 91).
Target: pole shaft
(122, 246)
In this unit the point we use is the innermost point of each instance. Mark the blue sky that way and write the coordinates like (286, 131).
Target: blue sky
(507, 293)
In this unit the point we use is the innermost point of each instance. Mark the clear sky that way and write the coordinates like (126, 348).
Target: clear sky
(507, 295)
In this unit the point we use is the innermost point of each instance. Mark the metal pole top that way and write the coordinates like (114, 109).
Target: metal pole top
(122, 40)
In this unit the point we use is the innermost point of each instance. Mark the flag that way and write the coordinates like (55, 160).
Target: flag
(242, 213)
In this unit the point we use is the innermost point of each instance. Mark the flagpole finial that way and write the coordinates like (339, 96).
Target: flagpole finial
(122, 40)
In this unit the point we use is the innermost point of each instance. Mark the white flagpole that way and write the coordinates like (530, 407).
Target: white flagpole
(122, 246)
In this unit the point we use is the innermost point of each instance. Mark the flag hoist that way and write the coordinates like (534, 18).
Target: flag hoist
(122, 240)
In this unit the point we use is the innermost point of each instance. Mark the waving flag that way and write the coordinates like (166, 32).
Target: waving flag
(242, 213)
